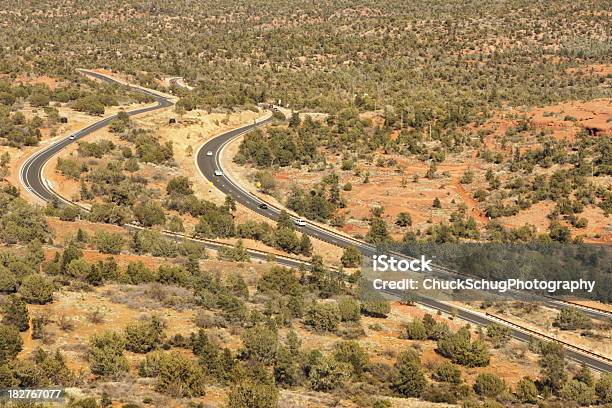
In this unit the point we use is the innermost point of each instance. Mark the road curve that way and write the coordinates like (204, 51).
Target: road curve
(30, 173)
(208, 161)
(31, 177)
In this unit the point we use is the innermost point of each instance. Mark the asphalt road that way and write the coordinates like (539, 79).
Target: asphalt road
(31, 178)
(208, 161)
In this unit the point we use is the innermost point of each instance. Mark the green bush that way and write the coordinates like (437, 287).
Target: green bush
(352, 353)
(260, 343)
(447, 372)
(572, 319)
(10, 343)
(375, 307)
(142, 337)
(409, 380)
(8, 280)
(324, 373)
(108, 242)
(578, 392)
(323, 316)
(36, 289)
(415, 330)
(350, 309)
(106, 355)
(489, 385)
(179, 376)
(351, 257)
(526, 391)
(461, 351)
(15, 313)
(249, 394)
(603, 388)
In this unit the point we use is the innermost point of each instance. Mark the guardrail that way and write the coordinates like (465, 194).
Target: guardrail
(580, 305)
(550, 338)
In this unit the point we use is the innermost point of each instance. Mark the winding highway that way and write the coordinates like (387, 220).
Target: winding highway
(208, 162)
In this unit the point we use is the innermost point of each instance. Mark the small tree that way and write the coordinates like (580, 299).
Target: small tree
(179, 376)
(106, 354)
(350, 309)
(572, 319)
(352, 353)
(15, 313)
(526, 391)
(260, 344)
(498, 334)
(36, 289)
(447, 372)
(351, 257)
(603, 388)
(415, 330)
(409, 380)
(142, 337)
(323, 316)
(403, 219)
(10, 343)
(579, 392)
(249, 394)
(489, 385)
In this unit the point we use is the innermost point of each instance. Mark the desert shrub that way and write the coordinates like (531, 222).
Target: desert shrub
(325, 373)
(106, 354)
(572, 319)
(36, 289)
(249, 394)
(10, 343)
(352, 353)
(578, 392)
(15, 313)
(149, 214)
(350, 309)
(403, 219)
(526, 391)
(552, 365)
(260, 343)
(179, 185)
(489, 385)
(137, 273)
(179, 376)
(142, 337)
(409, 380)
(375, 307)
(447, 372)
(108, 242)
(603, 388)
(279, 280)
(78, 268)
(8, 280)
(351, 257)
(498, 334)
(323, 316)
(461, 351)
(415, 330)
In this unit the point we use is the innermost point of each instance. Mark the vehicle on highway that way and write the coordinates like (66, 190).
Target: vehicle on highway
(263, 206)
(300, 222)
(72, 137)
(218, 173)
(209, 153)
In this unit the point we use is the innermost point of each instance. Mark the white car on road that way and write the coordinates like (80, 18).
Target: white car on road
(218, 173)
(209, 153)
(300, 222)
